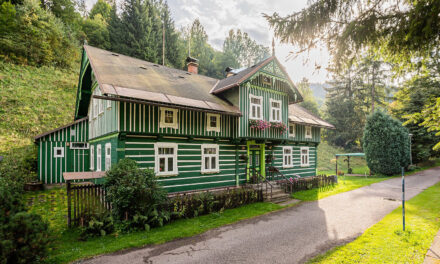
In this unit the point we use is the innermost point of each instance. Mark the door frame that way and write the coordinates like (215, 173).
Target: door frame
(262, 150)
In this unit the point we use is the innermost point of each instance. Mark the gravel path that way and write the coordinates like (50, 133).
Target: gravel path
(292, 235)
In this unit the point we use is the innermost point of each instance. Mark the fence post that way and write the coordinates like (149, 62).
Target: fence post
(69, 207)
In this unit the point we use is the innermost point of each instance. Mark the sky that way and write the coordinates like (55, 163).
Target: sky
(219, 16)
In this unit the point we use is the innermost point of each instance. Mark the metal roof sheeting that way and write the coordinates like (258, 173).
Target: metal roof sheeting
(300, 115)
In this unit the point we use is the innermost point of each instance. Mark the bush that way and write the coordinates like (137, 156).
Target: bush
(99, 225)
(23, 236)
(386, 144)
(132, 191)
(20, 165)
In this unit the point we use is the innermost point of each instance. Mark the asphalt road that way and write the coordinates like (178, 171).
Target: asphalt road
(292, 235)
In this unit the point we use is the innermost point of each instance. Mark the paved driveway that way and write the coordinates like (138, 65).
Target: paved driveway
(292, 235)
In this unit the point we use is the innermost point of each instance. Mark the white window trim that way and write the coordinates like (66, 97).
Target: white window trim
(108, 158)
(216, 155)
(98, 157)
(290, 156)
(294, 130)
(92, 157)
(109, 104)
(259, 105)
(95, 108)
(305, 131)
(308, 156)
(72, 147)
(55, 155)
(157, 157)
(279, 109)
(101, 106)
(208, 122)
(72, 131)
(175, 123)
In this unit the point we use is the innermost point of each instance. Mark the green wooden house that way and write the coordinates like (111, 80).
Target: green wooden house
(194, 131)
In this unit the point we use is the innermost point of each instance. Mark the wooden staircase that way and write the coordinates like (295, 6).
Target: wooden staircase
(278, 194)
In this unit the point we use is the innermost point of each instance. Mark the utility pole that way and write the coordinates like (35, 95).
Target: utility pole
(163, 42)
(403, 198)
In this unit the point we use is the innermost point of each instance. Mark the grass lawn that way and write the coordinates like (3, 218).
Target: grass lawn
(67, 247)
(385, 242)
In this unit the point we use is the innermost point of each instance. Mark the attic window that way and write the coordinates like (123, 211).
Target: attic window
(267, 80)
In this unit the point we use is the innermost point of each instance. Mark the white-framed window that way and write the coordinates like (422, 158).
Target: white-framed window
(98, 157)
(256, 107)
(292, 130)
(109, 104)
(213, 122)
(166, 159)
(108, 156)
(287, 157)
(58, 152)
(95, 108)
(308, 132)
(275, 110)
(92, 157)
(210, 160)
(168, 117)
(79, 145)
(304, 156)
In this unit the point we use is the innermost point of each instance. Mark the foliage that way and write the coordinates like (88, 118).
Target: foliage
(386, 144)
(410, 104)
(101, 7)
(385, 242)
(36, 36)
(245, 50)
(354, 92)
(280, 126)
(431, 119)
(259, 124)
(132, 191)
(398, 30)
(96, 31)
(309, 101)
(23, 236)
(66, 11)
(99, 225)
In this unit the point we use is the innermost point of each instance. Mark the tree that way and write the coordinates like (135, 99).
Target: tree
(386, 144)
(309, 102)
(66, 11)
(36, 37)
(399, 30)
(103, 8)
(244, 49)
(411, 103)
(97, 32)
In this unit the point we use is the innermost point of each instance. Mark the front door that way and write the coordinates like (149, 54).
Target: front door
(254, 162)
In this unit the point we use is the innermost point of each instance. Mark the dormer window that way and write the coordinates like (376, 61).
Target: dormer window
(275, 110)
(168, 118)
(213, 122)
(256, 107)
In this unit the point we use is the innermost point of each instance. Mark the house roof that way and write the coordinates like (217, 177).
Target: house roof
(129, 77)
(59, 128)
(300, 115)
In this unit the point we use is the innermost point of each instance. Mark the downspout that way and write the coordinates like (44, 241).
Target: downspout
(237, 177)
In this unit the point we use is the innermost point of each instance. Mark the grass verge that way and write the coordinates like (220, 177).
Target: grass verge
(66, 246)
(385, 242)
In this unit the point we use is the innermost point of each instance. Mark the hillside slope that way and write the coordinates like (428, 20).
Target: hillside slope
(33, 100)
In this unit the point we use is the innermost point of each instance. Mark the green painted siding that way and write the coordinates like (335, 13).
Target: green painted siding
(142, 118)
(141, 149)
(300, 134)
(244, 130)
(296, 169)
(105, 122)
(113, 141)
(50, 169)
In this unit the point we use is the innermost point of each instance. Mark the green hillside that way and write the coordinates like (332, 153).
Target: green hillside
(33, 100)
(326, 160)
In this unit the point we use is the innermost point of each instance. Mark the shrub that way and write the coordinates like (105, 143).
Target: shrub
(386, 144)
(23, 236)
(20, 165)
(132, 191)
(99, 225)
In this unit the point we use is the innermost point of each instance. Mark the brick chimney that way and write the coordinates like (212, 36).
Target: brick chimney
(229, 72)
(193, 65)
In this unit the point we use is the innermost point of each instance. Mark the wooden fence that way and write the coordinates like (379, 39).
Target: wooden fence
(308, 183)
(84, 201)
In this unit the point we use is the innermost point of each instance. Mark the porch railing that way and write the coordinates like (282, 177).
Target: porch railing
(260, 181)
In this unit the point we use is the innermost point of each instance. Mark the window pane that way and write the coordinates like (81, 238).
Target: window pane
(169, 116)
(258, 112)
(291, 129)
(206, 163)
(253, 111)
(162, 164)
(170, 164)
(255, 100)
(209, 150)
(213, 121)
(278, 115)
(213, 164)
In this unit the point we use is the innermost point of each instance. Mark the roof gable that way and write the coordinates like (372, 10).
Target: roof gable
(270, 66)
